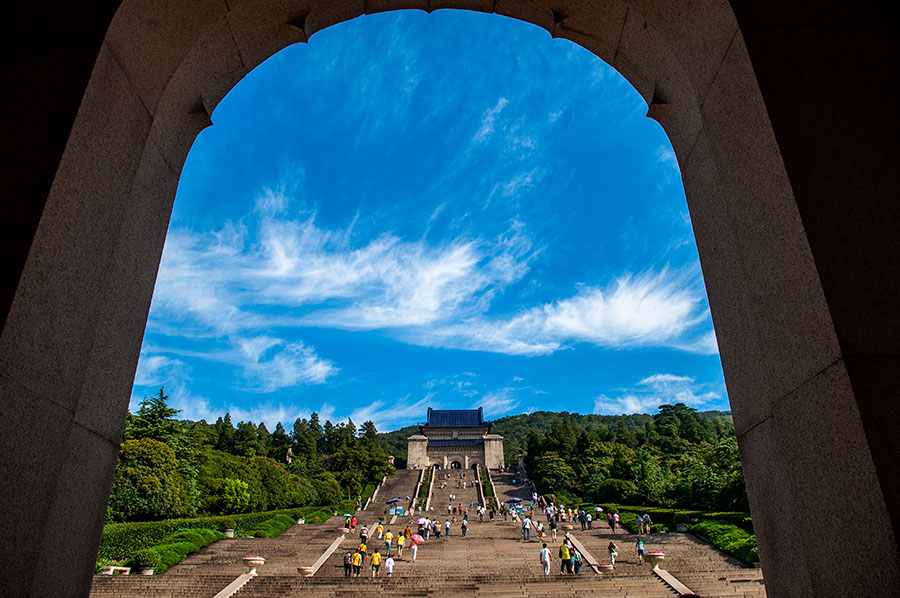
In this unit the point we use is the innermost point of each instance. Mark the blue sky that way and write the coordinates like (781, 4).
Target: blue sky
(414, 210)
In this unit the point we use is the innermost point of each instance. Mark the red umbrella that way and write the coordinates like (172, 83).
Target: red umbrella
(416, 538)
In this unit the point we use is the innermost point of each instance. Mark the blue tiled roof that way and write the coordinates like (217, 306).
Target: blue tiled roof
(456, 442)
(455, 418)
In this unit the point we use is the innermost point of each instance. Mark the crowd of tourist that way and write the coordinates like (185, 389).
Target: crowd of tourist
(377, 549)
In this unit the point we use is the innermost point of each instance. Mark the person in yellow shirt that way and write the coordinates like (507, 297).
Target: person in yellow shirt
(376, 563)
(380, 531)
(363, 551)
(388, 538)
(356, 561)
(401, 540)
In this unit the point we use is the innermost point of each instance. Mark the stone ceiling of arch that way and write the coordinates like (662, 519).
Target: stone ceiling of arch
(182, 65)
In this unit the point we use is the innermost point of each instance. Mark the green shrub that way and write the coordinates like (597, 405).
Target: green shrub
(273, 527)
(367, 493)
(145, 559)
(628, 520)
(681, 517)
(228, 524)
(119, 540)
(102, 562)
(728, 538)
(425, 488)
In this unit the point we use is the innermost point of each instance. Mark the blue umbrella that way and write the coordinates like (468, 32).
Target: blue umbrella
(513, 500)
(394, 500)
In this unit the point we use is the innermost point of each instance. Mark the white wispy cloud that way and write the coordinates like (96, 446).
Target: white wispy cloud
(393, 414)
(156, 370)
(488, 120)
(497, 402)
(250, 286)
(659, 389)
(649, 309)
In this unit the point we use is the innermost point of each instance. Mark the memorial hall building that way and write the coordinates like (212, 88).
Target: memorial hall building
(455, 439)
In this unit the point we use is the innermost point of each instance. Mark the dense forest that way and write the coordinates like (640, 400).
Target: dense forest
(677, 457)
(177, 468)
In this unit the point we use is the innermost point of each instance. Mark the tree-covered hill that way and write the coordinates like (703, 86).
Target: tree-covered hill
(677, 457)
(515, 428)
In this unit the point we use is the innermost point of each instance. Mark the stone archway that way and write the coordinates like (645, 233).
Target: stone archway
(796, 357)
(455, 464)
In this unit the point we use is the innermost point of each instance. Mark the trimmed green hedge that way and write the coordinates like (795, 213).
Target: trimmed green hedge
(274, 527)
(729, 538)
(173, 548)
(120, 540)
(367, 493)
(666, 516)
(425, 488)
(486, 484)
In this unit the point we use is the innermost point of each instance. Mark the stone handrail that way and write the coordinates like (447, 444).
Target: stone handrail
(493, 488)
(415, 499)
(430, 489)
(234, 586)
(480, 484)
(374, 494)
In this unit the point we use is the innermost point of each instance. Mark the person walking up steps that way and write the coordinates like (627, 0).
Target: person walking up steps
(464, 526)
(389, 566)
(356, 560)
(545, 559)
(447, 528)
(376, 563)
(388, 538)
(348, 564)
(364, 551)
(401, 540)
(576, 560)
(613, 551)
(640, 550)
(565, 559)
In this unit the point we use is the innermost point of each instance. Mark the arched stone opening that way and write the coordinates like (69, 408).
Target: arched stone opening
(72, 335)
(455, 464)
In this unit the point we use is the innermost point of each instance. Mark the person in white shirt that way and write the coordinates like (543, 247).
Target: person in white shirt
(389, 566)
(545, 559)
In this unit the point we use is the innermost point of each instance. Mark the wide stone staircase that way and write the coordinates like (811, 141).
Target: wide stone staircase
(691, 560)
(448, 483)
(491, 561)
(402, 485)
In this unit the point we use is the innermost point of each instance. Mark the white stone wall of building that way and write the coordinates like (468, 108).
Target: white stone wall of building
(417, 452)
(493, 451)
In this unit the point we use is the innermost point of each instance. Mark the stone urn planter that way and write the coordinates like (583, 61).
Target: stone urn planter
(605, 567)
(681, 527)
(145, 571)
(306, 571)
(654, 557)
(229, 532)
(252, 561)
